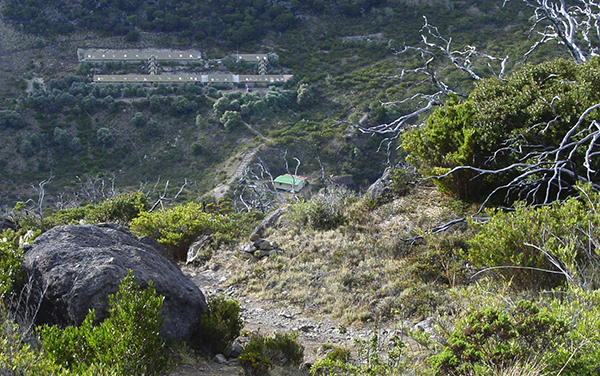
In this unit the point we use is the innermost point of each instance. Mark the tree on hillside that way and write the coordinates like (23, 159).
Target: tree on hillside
(532, 136)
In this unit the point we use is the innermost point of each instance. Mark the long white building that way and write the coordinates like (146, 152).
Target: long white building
(193, 78)
(99, 55)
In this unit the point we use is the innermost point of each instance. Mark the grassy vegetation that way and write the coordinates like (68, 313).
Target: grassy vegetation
(515, 294)
(353, 262)
(347, 79)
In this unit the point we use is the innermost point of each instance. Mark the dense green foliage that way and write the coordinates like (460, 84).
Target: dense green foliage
(237, 21)
(264, 352)
(121, 209)
(11, 119)
(178, 227)
(128, 341)
(559, 239)
(324, 211)
(544, 334)
(10, 261)
(491, 338)
(220, 325)
(502, 122)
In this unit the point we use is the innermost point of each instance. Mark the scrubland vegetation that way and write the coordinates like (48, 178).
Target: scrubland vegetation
(510, 288)
(514, 293)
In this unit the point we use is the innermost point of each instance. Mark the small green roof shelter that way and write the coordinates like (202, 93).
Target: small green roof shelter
(289, 182)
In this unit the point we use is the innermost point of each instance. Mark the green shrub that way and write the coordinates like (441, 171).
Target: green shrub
(559, 238)
(401, 179)
(220, 325)
(105, 137)
(370, 362)
(10, 261)
(121, 209)
(324, 211)
(178, 227)
(128, 341)
(493, 338)
(532, 110)
(578, 355)
(65, 217)
(262, 352)
(18, 357)
(11, 119)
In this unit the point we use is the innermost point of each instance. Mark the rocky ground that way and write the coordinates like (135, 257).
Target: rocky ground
(273, 317)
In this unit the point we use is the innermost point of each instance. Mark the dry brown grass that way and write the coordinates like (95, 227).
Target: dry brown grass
(358, 272)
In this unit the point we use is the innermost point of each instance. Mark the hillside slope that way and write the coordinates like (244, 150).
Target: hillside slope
(339, 53)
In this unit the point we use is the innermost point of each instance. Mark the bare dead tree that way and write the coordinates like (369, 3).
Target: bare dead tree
(287, 169)
(97, 188)
(35, 208)
(256, 190)
(162, 198)
(435, 53)
(66, 200)
(575, 26)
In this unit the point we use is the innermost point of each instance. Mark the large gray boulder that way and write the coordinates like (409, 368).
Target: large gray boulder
(78, 267)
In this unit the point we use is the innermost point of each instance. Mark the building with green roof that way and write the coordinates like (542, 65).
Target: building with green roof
(292, 183)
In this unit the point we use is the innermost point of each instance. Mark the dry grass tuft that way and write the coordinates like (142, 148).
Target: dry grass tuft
(359, 272)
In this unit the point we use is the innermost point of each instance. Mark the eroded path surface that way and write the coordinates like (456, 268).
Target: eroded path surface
(221, 190)
(270, 318)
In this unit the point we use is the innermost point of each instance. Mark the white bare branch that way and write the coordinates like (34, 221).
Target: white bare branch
(256, 189)
(436, 52)
(577, 26)
(164, 198)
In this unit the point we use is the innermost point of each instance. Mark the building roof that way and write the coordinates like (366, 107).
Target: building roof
(181, 78)
(290, 179)
(251, 57)
(135, 55)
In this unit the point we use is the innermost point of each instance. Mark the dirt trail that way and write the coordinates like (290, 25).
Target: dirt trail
(222, 189)
(270, 318)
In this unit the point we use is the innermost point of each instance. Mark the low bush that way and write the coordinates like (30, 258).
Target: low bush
(10, 261)
(128, 342)
(371, 359)
(178, 227)
(263, 352)
(121, 209)
(220, 325)
(544, 246)
(491, 338)
(324, 211)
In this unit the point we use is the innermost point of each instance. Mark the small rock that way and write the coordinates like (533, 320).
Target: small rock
(269, 221)
(195, 249)
(248, 248)
(235, 351)
(261, 254)
(306, 328)
(263, 245)
(426, 326)
(220, 358)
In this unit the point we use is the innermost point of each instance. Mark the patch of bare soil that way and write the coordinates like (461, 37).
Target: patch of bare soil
(235, 170)
(270, 317)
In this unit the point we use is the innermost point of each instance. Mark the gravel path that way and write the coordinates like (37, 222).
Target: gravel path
(270, 318)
